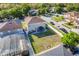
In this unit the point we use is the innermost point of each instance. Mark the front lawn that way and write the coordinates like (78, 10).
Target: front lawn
(57, 29)
(58, 18)
(45, 40)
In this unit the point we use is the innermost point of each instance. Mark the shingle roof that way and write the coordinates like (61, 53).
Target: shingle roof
(11, 25)
(34, 19)
(76, 14)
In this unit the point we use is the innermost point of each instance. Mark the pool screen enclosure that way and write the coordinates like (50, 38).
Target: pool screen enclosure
(12, 42)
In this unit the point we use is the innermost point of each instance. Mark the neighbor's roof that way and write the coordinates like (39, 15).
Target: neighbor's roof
(10, 25)
(73, 13)
(33, 19)
(11, 43)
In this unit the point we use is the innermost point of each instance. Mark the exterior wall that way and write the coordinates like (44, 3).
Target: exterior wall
(35, 26)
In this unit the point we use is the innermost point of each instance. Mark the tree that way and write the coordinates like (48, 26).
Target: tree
(15, 12)
(42, 11)
(59, 4)
(76, 7)
(25, 8)
(58, 9)
(70, 39)
(4, 14)
(70, 7)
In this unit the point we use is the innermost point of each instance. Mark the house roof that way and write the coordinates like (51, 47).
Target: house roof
(76, 14)
(10, 44)
(10, 25)
(32, 12)
(73, 16)
(34, 19)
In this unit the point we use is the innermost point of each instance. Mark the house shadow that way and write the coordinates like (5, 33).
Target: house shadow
(44, 34)
(30, 38)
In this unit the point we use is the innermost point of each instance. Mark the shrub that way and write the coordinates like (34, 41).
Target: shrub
(70, 39)
(58, 18)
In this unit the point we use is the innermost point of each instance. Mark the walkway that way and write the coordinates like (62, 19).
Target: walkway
(56, 31)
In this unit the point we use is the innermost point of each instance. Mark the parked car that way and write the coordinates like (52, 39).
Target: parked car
(64, 30)
(1, 21)
(52, 23)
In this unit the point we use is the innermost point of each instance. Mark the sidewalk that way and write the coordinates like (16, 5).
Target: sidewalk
(56, 23)
(56, 31)
(55, 51)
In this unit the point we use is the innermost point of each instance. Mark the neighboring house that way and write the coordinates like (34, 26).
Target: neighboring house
(33, 12)
(35, 24)
(72, 17)
(12, 39)
(9, 26)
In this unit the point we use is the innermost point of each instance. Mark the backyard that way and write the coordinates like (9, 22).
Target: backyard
(45, 40)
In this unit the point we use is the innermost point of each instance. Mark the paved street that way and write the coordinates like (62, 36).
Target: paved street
(57, 24)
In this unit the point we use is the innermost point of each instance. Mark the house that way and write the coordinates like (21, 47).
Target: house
(12, 39)
(72, 17)
(9, 26)
(35, 24)
(33, 12)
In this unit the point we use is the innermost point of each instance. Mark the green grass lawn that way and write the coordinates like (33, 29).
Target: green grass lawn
(45, 40)
(58, 19)
(57, 29)
(69, 26)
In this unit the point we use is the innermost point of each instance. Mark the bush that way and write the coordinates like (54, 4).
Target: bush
(58, 18)
(70, 39)
(58, 9)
